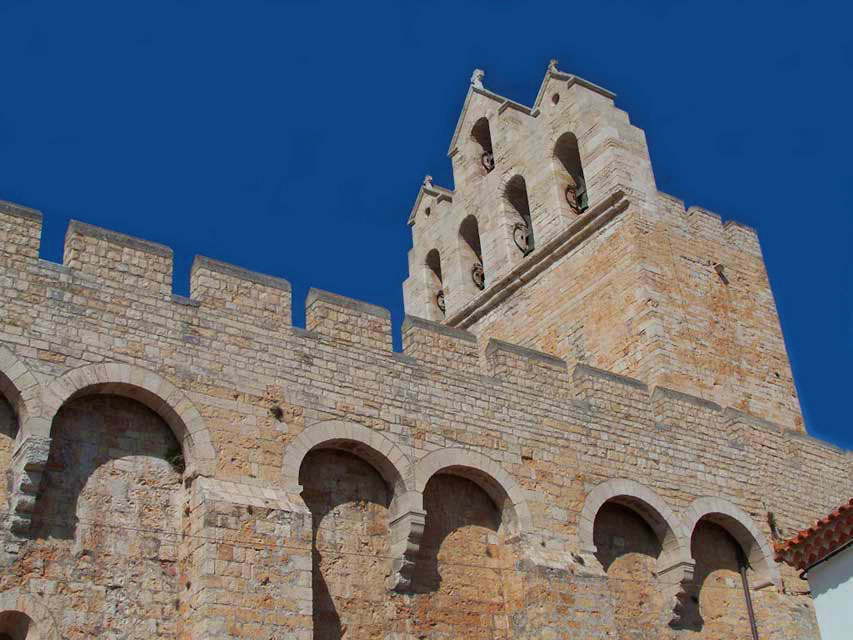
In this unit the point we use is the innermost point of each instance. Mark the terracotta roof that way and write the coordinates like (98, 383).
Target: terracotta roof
(824, 537)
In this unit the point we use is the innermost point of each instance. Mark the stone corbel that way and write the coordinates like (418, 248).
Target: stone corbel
(407, 529)
(679, 590)
(27, 468)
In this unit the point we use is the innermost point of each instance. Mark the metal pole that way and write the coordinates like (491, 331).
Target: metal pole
(743, 566)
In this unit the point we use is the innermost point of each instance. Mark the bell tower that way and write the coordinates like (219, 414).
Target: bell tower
(556, 238)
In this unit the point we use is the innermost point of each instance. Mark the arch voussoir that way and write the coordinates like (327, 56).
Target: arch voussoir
(742, 528)
(146, 387)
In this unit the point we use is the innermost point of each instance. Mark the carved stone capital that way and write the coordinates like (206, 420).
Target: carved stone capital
(25, 475)
(407, 530)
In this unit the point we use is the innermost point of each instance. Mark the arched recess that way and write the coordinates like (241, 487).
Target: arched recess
(569, 176)
(474, 275)
(369, 445)
(517, 203)
(434, 285)
(406, 515)
(144, 386)
(42, 625)
(742, 528)
(18, 385)
(19, 391)
(507, 495)
(482, 136)
(645, 503)
(673, 566)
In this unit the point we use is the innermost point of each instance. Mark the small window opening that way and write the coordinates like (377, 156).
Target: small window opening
(516, 196)
(483, 137)
(555, 98)
(571, 173)
(470, 232)
(433, 263)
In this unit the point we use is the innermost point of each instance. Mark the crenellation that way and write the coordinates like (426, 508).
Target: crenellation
(118, 260)
(224, 288)
(742, 237)
(20, 230)
(529, 369)
(348, 320)
(439, 345)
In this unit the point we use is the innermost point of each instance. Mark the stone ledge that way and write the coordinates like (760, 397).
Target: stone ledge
(228, 269)
(759, 423)
(318, 295)
(680, 396)
(809, 439)
(524, 352)
(587, 370)
(183, 300)
(20, 211)
(436, 327)
(114, 237)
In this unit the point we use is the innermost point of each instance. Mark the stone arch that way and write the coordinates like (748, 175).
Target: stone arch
(569, 175)
(742, 528)
(647, 504)
(516, 202)
(406, 510)
(369, 445)
(674, 567)
(484, 472)
(18, 385)
(144, 386)
(43, 623)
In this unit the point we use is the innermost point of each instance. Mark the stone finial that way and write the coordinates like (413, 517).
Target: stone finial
(428, 181)
(552, 66)
(477, 78)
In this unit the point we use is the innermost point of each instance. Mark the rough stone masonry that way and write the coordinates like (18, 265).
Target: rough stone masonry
(591, 429)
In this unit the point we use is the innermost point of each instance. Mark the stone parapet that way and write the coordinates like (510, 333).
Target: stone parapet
(118, 260)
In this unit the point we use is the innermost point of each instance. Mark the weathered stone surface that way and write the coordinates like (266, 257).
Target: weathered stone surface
(581, 454)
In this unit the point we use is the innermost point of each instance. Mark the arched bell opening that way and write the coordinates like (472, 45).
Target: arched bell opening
(435, 285)
(515, 196)
(482, 136)
(569, 176)
(472, 255)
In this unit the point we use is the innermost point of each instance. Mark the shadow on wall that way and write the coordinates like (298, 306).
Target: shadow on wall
(628, 550)
(8, 431)
(453, 504)
(14, 625)
(107, 464)
(718, 605)
(349, 501)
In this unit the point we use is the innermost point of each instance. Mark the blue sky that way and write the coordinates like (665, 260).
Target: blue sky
(291, 138)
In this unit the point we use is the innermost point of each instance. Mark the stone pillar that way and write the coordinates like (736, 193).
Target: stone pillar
(28, 463)
(245, 564)
(407, 529)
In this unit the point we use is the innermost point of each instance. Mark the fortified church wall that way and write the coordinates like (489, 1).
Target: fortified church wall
(199, 468)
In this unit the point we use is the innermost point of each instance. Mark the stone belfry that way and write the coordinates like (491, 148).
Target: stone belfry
(556, 238)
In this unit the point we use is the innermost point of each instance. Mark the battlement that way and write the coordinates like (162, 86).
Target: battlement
(20, 230)
(125, 263)
(233, 290)
(703, 223)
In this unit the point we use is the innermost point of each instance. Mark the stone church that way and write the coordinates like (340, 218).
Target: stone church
(592, 430)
